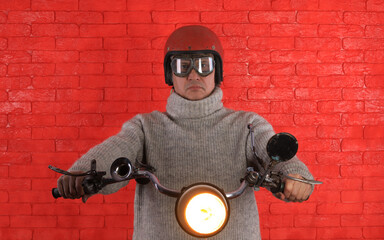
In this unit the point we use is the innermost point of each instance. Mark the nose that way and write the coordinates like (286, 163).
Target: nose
(193, 75)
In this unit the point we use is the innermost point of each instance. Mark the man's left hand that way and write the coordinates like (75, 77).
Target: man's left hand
(295, 191)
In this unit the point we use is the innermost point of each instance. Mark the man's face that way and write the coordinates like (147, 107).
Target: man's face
(194, 86)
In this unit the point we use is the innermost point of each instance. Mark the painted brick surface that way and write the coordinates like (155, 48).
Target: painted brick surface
(73, 71)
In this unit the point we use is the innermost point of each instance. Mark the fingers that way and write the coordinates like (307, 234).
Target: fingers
(70, 186)
(296, 191)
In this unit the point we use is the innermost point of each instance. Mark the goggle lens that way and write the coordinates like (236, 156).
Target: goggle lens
(204, 66)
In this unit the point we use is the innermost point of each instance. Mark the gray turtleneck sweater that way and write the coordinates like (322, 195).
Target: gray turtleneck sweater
(193, 141)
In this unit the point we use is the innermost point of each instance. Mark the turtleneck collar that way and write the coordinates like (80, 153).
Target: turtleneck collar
(179, 107)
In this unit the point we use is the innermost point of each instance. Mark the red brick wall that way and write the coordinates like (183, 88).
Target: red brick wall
(72, 71)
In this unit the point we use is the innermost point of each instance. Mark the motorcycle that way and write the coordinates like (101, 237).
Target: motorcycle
(201, 209)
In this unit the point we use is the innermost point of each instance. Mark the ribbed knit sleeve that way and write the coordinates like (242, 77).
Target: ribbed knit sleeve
(128, 143)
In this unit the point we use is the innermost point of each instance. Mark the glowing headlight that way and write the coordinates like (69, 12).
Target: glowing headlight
(202, 210)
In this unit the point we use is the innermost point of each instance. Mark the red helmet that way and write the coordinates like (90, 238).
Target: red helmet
(190, 40)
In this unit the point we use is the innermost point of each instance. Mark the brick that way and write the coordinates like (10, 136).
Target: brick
(294, 81)
(15, 209)
(128, 43)
(14, 30)
(293, 233)
(103, 56)
(362, 220)
(294, 56)
(338, 158)
(15, 158)
(31, 43)
(373, 183)
(15, 82)
(176, 17)
(364, 18)
(161, 94)
(339, 233)
(374, 106)
(319, 145)
(78, 68)
(55, 133)
(363, 68)
(340, 56)
(317, 119)
(341, 81)
(12, 184)
(247, 5)
(363, 43)
(55, 82)
(340, 208)
(344, 5)
(277, 220)
(79, 44)
(270, 93)
(373, 157)
(376, 56)
(103, 30)
(235, 94)
(16, 234)
(367, 145)
(103, 107)
(33, 221)
(55, 107)
(131, 17)
(100, 133)
(145, 30)
(40, 69)
(146, 81)
(271, 43)
(319, 221)
(128, 68)
(106, 233)
(131, 94)
(3, 196)
(89, 5)
(340, 31)
(361, 197)
(55, 56)
(362, 119)
(80, 221)
(53, 30)
(79, 95)
(79, 120)
(255, 106)
(306, 43)
(279, 119)
(59, 234)
(147, 5)
(319, 69)
(31, 95)
(319, 171)
(138, 107)
(15, 133)
(116, 120)
(55, 209)
(66, 5)
(246, 81)
(103, 81)
(314, 17)
(15, 107)
(375, 5)
(224, 17)
(263, 69)
(340, 132)
(41, 184)
(340, 106)
(145, 56)
(286, 30)
(15, 57)
(374, 31)
(272, 16)
(318, 94)
(373, 232)
(111, 209)
(234, 42)
(374, 132)
(81, 146)
(373, 208)
(30, 145)
(46, 158)
(79, 17)
(15, 5)
(362, 170)
(242, 30)
(293, 106)
(363, 94)
(3, 120)
(26, 196)
(294, 5)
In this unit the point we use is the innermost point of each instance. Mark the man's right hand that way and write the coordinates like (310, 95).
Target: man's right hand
(71, 186)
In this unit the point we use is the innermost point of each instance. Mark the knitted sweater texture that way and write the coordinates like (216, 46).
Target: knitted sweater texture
(193, 141)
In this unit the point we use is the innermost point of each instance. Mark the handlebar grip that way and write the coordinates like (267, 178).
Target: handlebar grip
(279, 188)
(56, 193)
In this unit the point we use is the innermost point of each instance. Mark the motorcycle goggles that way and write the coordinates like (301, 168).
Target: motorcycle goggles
(182, 66)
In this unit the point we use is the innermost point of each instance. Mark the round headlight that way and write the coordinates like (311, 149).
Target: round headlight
(202, 210)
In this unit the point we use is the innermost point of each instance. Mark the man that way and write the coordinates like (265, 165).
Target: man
(195, 140)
